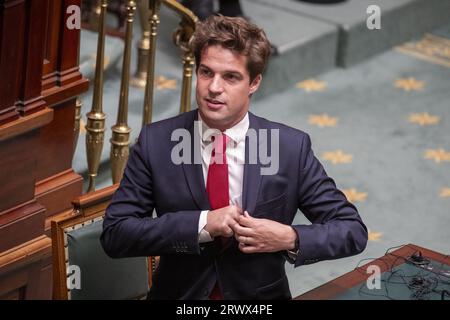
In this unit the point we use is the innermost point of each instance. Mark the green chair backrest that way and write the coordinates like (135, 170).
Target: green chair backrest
(101, 277)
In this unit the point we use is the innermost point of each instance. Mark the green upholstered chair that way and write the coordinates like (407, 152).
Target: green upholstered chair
(81, 269)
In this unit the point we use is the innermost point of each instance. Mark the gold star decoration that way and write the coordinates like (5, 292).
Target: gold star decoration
(353, 195)
(337, 157)
(445, 193)
(322, 120)
(423, 118)
(409, 84)
(163, 83)
(430, 48)
(312, 85)
(374, 236)
(438, 155)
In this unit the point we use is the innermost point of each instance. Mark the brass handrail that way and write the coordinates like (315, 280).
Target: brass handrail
(182, 38)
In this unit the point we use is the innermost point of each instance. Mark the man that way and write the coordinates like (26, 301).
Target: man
(205, 8)
(223, 218)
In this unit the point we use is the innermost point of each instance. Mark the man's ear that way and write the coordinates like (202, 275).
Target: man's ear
(254, 85)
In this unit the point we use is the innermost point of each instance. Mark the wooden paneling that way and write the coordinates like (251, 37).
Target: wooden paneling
(11, 56)
(25, 124)
(49, 77)
(25, 271)
(43, 289)
(13, 287)
(30, 99)
(56, 139)
(39, 85)
(15, 294)
(55, 95)
(61, 47)
(17, 169)
(21, 224)
(56, 183)
(70, 41)
(56, 193)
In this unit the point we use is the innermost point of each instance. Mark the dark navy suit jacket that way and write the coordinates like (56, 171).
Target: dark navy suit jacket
(189, 269)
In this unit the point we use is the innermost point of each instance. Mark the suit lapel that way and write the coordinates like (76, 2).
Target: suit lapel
(252, 166)
(252, 172)
(194, 172)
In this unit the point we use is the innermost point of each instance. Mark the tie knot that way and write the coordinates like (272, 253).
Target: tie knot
(220, 143)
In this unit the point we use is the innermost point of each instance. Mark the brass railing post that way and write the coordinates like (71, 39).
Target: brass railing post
(143, 46)
(182, 38)
(95, 127)
(154, 6)
(120, 140)
(94, 14)
(76, 127)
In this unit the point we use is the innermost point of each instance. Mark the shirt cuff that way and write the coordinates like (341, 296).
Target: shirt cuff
(292, 255)
(203, 235)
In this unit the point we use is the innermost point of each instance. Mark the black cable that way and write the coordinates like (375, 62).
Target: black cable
(444, 293)
(420, 284)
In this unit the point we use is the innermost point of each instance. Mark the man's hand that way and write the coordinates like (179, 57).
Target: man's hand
(263, 235)
(220, 222)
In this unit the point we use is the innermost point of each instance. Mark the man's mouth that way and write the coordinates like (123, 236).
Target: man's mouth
(214, 104)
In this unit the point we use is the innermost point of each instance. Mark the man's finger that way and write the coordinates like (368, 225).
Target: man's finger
(248, 241)
(236, 215)
(247, 249)
(242, 231)
(245, 221)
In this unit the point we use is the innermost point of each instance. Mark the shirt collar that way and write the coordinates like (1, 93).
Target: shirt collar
(236, 133)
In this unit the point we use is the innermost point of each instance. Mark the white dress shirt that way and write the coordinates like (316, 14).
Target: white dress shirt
(235, 153)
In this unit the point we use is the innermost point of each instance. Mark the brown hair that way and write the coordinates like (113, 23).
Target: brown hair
(235, 34)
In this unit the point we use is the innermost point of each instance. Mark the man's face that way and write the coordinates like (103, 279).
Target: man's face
(223, 87)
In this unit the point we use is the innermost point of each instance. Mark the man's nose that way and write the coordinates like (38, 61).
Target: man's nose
(216, 85)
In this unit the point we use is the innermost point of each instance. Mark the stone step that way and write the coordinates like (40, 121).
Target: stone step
(401, 20)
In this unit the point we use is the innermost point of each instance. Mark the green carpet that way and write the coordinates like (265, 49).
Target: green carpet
(402, 196)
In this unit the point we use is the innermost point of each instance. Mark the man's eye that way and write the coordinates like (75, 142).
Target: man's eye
(231, 77)
(205, 72)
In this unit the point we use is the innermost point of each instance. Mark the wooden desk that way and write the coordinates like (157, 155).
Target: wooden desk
(332, 289)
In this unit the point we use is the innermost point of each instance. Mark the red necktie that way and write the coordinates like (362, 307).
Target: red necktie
(217, 182)
(217, 188)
